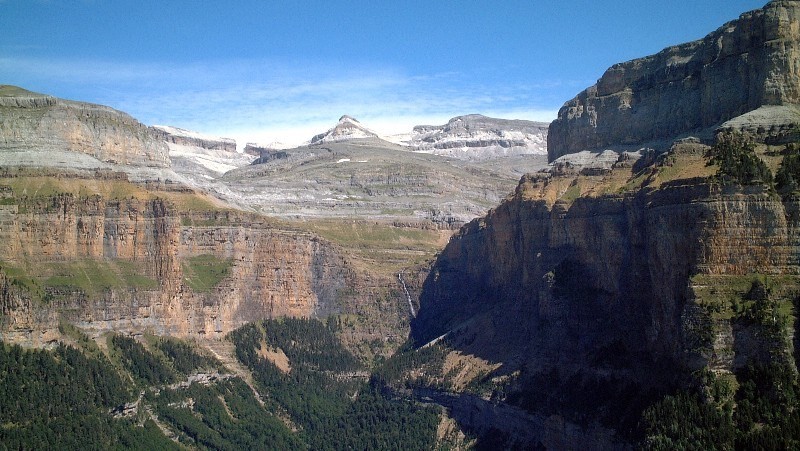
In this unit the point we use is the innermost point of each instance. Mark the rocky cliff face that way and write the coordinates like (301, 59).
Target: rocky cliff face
(612, 296)
(31, 122)
(257, 150)
(478, 137)
(691, 88)
(127, 265)
(198, 158)
(99, 229)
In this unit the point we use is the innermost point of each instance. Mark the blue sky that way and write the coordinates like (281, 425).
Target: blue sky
(285, 70)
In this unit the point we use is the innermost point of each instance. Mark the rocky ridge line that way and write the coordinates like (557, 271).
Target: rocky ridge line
(479, 137)
(184, 137)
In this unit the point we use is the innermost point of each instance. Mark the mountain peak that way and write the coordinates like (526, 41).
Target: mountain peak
(347, 128)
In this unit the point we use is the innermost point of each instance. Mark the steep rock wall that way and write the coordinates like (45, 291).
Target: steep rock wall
(746, 64)
(606, 279)
(139, 252)
(479, 137)
(39, 123)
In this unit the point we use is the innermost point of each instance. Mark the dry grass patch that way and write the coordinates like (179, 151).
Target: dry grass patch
(274, 355)
(381, 247)
(462, 369)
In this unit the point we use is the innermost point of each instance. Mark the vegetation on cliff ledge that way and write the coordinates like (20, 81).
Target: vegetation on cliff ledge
(204, 272)
(736, 157)
(787, 179)
(763, 412)
(757, 405)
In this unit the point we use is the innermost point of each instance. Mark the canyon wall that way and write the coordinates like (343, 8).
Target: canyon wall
(691, 88)
(606, 287)
(98, 230)
(137, 253)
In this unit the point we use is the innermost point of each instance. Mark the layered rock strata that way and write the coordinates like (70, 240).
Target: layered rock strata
(613, 296)
(346, 129)
(189, 138)
(691, 88)
(270, 272)
(31, 122)
(479, 137)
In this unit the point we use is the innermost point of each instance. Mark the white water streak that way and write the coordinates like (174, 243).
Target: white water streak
(408, 295)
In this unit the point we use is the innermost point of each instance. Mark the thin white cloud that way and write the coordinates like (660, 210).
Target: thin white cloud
(288, 102)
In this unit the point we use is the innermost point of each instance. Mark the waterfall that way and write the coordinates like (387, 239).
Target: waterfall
(408, 295)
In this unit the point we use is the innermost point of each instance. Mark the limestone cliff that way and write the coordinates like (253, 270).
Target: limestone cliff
(477, 137)
(31, 122)
(619, 294)
(98, 229)
(135, 265)
(692, 88)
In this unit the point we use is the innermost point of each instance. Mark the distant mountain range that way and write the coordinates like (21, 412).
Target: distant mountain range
(477, 137)
(445, 174)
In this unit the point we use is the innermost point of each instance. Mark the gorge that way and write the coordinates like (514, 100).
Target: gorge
(644, 295)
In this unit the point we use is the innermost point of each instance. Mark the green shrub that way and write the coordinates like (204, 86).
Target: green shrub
(735, 155)
(787, 179)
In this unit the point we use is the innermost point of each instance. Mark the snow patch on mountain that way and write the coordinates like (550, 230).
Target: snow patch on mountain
(200, 157)
(477, 137)
(218, 161)
(180, 132)
(346, 129)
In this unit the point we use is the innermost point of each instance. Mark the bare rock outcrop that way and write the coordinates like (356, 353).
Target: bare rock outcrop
(139, 255)
(602, 296)
(479, 137)
(257, 150)
(200, 159)
(189, 138)
(691, 88)
(347, 128)
(31, 122)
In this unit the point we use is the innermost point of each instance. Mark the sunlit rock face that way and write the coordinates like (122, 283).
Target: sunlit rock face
(477, 137)
(146, 249)
(45, 124)
(692, 88)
